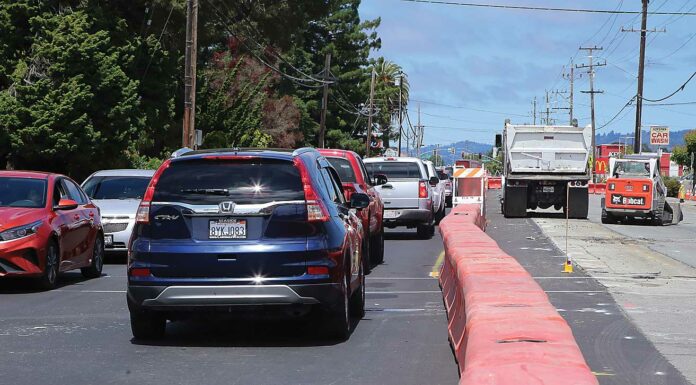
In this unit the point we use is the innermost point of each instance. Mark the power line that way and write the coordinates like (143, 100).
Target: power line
(159, 40)
(468, 108)
(549, 9)
(618, 113)
(681, 88)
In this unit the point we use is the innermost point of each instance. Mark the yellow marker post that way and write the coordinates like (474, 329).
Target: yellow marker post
(568, 265)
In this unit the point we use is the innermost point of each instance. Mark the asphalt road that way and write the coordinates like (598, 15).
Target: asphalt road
(677, 242)
(80, 334)
(614, 347)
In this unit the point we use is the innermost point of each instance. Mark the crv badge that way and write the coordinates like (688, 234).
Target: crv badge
(226, 207)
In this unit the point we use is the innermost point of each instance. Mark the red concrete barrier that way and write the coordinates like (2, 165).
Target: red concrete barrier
(494, 183)
(502, 327)
(600, 188)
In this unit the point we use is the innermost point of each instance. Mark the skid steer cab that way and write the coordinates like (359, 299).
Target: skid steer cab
(635, 190)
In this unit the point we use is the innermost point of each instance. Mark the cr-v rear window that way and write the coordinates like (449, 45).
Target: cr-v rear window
(395, 170)
(247, 181)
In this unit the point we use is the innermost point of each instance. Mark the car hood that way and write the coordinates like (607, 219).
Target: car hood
(117, 207)
(18, 216)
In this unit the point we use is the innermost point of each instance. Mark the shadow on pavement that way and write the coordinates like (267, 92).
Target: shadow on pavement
(21, 285)
(299, 332)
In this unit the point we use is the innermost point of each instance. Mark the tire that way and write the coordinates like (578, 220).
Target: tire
(147, 325)
(425, 231)
(95, 269)
(338, 322)
(377, 248)
(448, 202)
(48, 279)
(607, 218)
(357, 300)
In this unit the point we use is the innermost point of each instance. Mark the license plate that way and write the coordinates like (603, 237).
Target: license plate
(391, 214)
(547, 189)
(628, 187)
(108, 240)
(228, 229)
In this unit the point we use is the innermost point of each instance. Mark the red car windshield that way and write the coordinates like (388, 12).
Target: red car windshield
(22, 192)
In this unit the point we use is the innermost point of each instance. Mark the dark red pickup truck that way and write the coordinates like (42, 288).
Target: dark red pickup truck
(354, 177)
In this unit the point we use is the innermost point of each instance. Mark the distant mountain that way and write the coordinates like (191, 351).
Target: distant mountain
(676, 138)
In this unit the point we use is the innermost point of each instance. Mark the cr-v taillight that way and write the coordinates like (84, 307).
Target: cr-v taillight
(422, 189)
(316, 212)
(143, 213)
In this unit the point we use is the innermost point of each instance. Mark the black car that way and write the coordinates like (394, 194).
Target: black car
(222, 231)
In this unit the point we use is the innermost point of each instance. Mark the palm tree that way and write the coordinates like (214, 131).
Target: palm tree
(387, 92)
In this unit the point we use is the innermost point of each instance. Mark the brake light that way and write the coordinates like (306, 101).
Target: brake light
(317, 270)
(422, 189)
(316, 212)
(139, 272)
(143, 213)
(229, 157)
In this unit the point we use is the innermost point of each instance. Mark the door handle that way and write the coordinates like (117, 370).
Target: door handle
(387, 186)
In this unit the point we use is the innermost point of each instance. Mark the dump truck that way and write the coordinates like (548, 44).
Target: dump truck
(635, 190)
(544, 167)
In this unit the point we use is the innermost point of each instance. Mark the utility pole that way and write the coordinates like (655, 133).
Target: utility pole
(534, 110)
(401, 115)
(324, 100)
(571, 77)
(419, 133)
(370, 112)
(189, 127)
(641, 72)
(548, 110)
(558, 93)
(592, 93)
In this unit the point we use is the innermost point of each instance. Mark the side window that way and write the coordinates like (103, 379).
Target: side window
(329, 184)
(59, 192)
(364, 173)
(337, 186)
(73, 191)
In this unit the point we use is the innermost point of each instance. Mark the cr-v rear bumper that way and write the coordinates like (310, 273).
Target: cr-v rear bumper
(172, 298)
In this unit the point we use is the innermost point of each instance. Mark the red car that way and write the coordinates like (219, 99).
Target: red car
(354, 177)
(47, 225)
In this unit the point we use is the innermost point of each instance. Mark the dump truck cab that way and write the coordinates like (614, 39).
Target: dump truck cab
(635, 190)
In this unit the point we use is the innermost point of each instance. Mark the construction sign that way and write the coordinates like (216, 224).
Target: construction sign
(659, 135)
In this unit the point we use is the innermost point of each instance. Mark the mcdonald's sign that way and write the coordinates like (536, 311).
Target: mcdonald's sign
(601, 165)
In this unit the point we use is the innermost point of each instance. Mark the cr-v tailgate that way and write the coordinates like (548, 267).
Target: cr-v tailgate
(399, 194)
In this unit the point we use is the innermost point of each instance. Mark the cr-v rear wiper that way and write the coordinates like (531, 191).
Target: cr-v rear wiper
(206, 191)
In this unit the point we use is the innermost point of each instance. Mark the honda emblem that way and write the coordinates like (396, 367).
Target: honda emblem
(226, 207)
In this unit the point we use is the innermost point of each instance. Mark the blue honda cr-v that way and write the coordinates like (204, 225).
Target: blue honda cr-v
(238, 230)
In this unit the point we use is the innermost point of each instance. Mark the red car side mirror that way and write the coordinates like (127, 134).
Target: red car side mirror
(65, 204)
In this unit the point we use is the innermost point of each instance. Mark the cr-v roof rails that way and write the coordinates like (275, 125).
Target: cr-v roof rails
(302, 150)
(181, 152)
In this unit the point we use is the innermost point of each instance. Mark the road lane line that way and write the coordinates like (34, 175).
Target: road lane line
(435, 272)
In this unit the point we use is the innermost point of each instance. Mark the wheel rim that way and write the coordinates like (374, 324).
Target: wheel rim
(51, 261)
(98, 254)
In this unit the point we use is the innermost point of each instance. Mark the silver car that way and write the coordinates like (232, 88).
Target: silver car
(117, 193)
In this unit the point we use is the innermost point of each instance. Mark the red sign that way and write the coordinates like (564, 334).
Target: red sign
(602, 165)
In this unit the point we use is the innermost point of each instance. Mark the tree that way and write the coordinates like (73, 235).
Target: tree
(681, 155)
(387, 96)
(436, 159)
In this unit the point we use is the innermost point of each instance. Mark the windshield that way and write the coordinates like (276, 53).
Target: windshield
(343, 168)
(254, 181)
(116, 187)
(632, 169)
(22, 192)
(395, 170)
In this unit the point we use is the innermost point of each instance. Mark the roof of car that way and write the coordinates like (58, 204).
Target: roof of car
(333, 152)
(275, 153)
(125, 172)
(26, 174)
(392, 159)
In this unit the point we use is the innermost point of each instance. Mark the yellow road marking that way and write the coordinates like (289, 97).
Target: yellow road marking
(603, 374)
(435, 272)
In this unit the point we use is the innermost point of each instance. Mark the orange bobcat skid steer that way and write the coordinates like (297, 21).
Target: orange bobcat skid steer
(635, 190)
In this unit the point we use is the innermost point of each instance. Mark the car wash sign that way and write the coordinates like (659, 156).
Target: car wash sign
(659, 135)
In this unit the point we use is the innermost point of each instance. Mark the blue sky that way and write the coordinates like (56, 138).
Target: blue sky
(494, 62)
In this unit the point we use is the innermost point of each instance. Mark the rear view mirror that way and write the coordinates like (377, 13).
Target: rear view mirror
(359, 201)
(380, 179)
(498, 140)
(65, 204)
(434, 181)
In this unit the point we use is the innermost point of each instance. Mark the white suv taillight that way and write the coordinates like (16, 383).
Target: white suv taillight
(143, 213)
(316, 212)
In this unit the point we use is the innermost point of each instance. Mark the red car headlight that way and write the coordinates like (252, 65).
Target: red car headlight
(20, 231)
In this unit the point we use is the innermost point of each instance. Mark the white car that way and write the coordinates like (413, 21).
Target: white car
(117, 193)
(439, 194)
(407, 192)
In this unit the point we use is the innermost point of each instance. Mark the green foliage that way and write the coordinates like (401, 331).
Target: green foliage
(436, 159)
(672, 185)
(681, 156)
